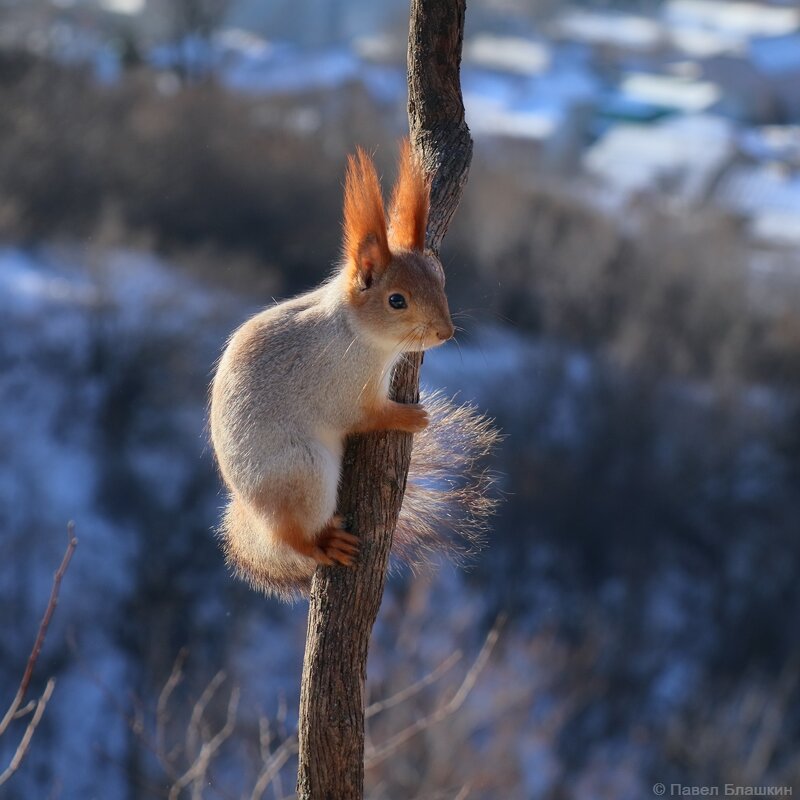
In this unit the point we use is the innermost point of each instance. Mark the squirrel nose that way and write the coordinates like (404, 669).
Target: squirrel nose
(445, 332)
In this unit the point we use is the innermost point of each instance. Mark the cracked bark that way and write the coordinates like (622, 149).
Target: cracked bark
(344, 602)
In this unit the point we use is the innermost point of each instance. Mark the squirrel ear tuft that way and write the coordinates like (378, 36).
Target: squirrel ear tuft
(408, 214)
(366, 247)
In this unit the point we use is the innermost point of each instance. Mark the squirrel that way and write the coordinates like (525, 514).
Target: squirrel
(300, 376)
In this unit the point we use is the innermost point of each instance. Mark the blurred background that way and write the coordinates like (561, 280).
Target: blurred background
(627, 261)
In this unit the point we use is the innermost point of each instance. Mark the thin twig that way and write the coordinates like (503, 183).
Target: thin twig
(193, 732)
(450, 707)
(25, 742)
(414, 688)
(72, 543)
(25, 710)
(273, 766)
(199, 768)
(162, 714)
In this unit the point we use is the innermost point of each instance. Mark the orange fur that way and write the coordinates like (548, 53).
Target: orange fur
(408, 215)
(388, 415)
(331, 545)
(365, 241)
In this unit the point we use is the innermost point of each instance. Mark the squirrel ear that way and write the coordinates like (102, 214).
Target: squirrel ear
(408, 215)
(366, 248)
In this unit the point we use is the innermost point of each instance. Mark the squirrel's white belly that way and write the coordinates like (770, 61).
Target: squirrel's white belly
(329, 466)
(332, 440)
(333, 448)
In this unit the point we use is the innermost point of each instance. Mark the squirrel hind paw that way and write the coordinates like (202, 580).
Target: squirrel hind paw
(335, 545)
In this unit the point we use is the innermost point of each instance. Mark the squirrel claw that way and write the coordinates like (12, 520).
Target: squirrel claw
(335, 545)
(319, 555)
(417, 418)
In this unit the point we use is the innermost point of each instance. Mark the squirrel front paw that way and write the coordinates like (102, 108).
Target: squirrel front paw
(414, 418)
(391, 416)
(335, 545)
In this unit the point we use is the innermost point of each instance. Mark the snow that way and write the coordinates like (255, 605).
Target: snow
(698, 42)
(286, 73)
(239, 43)
(22, 278)
(511, 54)
(740, 19)
(766, 34)
(518, 105)
(380, 48)
(628, 31)
(686, 96)
(488, 117)
(772, 143)
(129, 7)
(684, 152)
(755, 190)
(777, 227)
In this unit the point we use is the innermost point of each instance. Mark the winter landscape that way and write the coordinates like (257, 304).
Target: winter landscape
(625, 266)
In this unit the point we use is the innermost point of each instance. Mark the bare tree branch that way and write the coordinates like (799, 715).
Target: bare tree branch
(344, 602)
(409, 691)
(14, 710)
(194, 732)
(463, 793)
(25, 742)
(162, 712)
(272, 766)
(198, 770)
(443, 711)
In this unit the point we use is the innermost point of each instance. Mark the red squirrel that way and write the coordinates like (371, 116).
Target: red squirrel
(300, 376)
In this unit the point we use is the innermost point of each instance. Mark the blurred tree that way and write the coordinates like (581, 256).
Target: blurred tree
(192, 25)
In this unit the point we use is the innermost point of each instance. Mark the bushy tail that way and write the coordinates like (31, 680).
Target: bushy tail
(451, 493)
(446, 508)
(246, 543)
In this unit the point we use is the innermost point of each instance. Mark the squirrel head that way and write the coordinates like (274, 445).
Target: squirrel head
(395, 287)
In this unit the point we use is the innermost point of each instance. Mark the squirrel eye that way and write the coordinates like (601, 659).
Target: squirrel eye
(397, 301)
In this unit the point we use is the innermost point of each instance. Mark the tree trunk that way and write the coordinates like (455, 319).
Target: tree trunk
(344, 602)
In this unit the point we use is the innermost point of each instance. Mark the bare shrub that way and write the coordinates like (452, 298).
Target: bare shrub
(740, 736)
(666, 293)
(35, 708)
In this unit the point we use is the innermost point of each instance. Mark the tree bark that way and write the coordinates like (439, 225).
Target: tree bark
(344, 602)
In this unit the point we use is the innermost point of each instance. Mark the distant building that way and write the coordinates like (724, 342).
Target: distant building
(750, 50)
(732, 20)
(529, 96)
(680, 157)
(643, 97)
